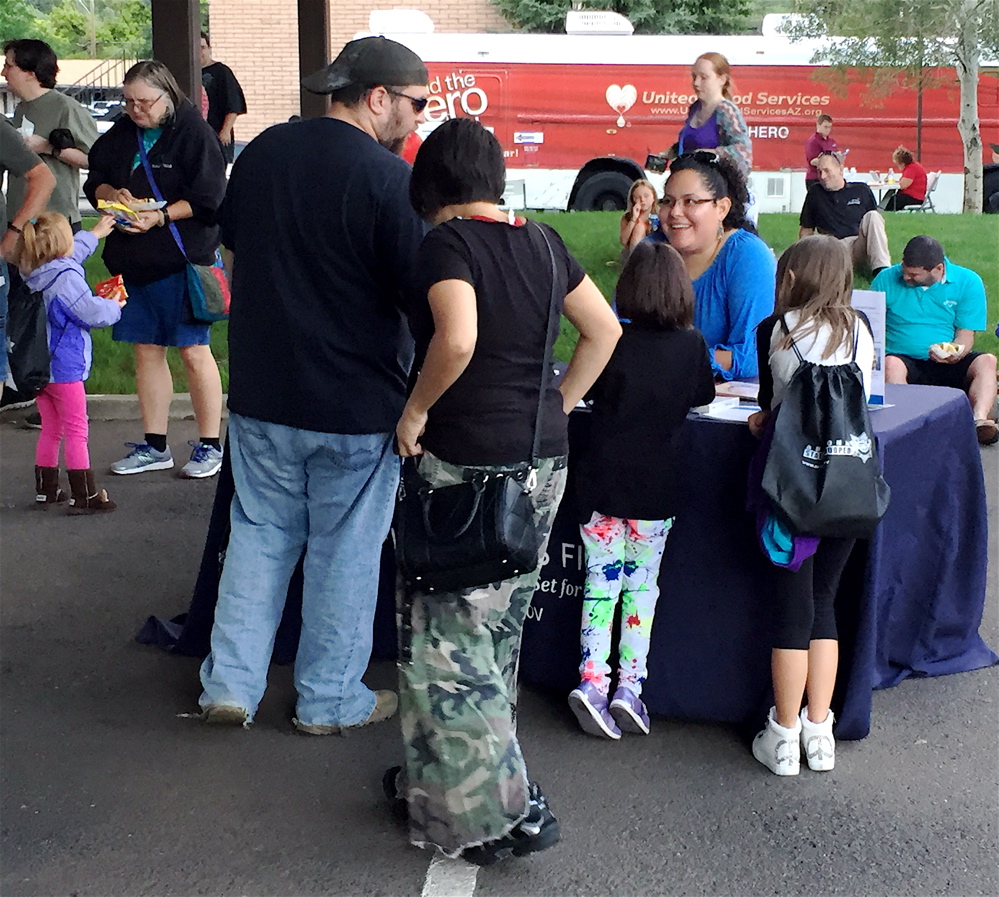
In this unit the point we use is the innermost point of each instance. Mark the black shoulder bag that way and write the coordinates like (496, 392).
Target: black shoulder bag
(481, 531)
(29, 357)
(822, 473)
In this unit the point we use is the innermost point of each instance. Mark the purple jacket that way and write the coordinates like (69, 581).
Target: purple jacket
(72, 309)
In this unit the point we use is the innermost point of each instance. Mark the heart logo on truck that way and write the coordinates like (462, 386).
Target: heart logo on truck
(621, 99)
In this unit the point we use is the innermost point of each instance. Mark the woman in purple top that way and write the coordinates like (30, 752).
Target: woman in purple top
(714, 122)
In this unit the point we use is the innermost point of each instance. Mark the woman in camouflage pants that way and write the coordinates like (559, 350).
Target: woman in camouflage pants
(464, 787)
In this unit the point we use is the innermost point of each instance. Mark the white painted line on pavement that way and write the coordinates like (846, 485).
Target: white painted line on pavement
(450, 878)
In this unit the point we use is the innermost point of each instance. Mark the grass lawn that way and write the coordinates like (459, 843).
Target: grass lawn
(970, 240)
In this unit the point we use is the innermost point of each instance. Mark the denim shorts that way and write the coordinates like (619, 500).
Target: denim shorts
(159, 314)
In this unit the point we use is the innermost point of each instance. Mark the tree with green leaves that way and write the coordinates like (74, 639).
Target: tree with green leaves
(905, 37)
(85, 28)
(648, 16)
(17, 19)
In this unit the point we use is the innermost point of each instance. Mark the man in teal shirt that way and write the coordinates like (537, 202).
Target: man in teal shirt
(930, 302)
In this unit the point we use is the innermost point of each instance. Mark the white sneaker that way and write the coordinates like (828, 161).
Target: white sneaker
(777, 748)
(817, 742)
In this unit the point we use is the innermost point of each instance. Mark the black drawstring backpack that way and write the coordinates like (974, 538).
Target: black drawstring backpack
(822, 472)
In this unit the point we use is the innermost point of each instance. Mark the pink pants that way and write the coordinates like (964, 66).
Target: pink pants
(63, 408)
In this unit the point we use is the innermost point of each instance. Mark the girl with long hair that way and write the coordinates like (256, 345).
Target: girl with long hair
(813, 315)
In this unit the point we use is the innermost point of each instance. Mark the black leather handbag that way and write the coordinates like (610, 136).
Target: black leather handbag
(480, 531)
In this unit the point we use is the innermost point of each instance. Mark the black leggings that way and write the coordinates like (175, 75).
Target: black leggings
(804, 602)
(896, 200)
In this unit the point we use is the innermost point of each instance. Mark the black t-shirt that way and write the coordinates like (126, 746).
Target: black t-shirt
(224, 93)
(318, 217)
(487, 415)
(837, 212)
(627, 469)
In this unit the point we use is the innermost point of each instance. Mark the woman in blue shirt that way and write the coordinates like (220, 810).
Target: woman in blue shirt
(701, 215)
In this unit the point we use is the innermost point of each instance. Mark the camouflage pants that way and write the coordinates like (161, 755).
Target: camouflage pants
(465, 776)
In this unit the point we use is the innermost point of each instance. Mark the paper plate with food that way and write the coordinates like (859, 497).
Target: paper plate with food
(943, 351)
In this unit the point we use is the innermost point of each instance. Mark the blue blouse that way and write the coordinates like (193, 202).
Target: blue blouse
(731, 298)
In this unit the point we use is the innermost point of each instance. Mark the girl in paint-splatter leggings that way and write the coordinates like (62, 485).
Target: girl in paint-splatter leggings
(625, 483)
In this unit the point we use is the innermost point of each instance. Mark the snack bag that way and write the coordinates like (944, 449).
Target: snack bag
(122, 214)
(112, 288)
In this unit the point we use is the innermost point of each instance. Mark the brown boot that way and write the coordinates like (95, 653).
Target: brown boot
(47, 491)
(86, 498)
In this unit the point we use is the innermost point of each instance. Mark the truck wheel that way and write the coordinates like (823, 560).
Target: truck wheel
(606, 191)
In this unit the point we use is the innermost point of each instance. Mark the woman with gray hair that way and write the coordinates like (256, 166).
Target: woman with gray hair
(183, 155)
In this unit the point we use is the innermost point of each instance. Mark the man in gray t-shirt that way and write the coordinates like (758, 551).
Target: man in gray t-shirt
(17, 160)
(54, 126)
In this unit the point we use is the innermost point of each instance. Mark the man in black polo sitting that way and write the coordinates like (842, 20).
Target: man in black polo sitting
(847, 211)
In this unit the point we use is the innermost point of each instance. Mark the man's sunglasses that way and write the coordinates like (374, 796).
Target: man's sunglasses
(419, 103)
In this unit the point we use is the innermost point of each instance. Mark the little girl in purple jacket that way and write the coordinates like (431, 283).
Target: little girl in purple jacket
(51, 262)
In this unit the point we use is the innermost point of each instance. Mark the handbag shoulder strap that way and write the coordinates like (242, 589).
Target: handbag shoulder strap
(549, 347)
(144, 156)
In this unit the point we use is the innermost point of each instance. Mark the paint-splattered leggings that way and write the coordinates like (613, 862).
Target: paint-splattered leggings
(622, 561)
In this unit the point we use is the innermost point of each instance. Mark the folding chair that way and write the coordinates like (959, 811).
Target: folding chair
(932, 179)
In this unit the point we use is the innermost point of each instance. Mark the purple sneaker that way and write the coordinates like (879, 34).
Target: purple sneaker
(629, 712)
(590, 707)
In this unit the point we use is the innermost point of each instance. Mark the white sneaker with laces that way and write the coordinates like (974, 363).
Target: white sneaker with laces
(143, 457)
(817, 742)
(206, 461)
(778, 748)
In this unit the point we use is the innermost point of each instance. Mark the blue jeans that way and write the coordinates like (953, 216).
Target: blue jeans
(332, 496)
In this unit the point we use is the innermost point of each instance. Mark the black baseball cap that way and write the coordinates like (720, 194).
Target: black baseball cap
(923, 252)
(369, 60)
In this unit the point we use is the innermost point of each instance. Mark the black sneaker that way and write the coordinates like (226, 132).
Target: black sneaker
(539, 831)
(12, 400)
(397, 803)
(32, 422)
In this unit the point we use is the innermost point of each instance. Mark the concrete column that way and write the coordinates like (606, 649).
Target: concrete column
(313, 51)
(177, 43)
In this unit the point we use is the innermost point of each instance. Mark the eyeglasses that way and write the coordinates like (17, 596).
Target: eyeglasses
(685, 202)
(419, 103)
(142, 105)
(832, 153)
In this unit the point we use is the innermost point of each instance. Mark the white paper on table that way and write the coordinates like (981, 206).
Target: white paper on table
(717, 406)
(872, 304)
(738, 414)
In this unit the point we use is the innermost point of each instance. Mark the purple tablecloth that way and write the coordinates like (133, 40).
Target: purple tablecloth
(910, 603)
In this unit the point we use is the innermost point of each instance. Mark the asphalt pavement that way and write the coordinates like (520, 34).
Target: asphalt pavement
(107, 790)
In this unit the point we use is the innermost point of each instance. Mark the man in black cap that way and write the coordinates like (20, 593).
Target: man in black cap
(932, 310)
(322, 243)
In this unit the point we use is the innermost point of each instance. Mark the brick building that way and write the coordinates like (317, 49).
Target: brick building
(258, 39)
